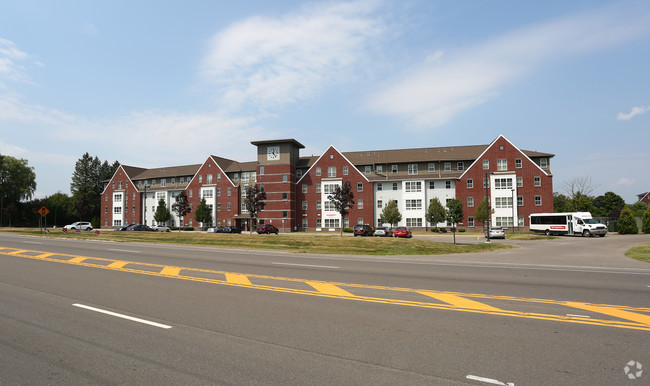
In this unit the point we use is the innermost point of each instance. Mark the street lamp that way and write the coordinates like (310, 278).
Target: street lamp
(487, 206)
(144, 219)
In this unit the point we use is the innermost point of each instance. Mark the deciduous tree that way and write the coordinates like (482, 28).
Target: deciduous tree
(202, 213)
(17, 183)
(162, 214)
(254, 203)
(436, 212)
(390, 214)
(454, 214)
(181, 208)
(645, 225)
(343, 199)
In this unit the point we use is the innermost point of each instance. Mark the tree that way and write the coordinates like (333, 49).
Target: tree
(436, 213)
(609, 204)
(578, 191)
(645, 225)
(627, 223)
(181, 207)
(454, 214)
(342, 198)
(87, 184)
(17, 183)
(560, 203)
(202, 213)
(162, 214)
(638, 208)
(390, 214)
(254, 203)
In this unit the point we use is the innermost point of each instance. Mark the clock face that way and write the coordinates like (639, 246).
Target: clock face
(273, 153)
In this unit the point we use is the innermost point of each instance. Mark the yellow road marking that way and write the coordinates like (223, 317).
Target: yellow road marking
(456, 301)
(237, 278)
(171, 271)
(328, 288)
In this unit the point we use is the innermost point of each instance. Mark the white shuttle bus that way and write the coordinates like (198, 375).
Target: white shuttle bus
(575, 223)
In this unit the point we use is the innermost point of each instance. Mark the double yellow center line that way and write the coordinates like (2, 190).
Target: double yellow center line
(637, 318)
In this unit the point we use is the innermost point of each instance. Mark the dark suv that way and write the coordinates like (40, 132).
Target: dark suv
(266, 229)
(363, 230)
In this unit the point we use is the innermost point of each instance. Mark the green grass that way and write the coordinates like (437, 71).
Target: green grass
(302, 243)
(640, 252)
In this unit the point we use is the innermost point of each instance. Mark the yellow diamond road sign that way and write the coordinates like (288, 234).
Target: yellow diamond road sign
(43, 211)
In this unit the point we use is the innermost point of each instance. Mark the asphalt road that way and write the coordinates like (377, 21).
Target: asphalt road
(564, 312)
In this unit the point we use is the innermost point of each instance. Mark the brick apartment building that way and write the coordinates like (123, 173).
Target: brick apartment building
(519, 182)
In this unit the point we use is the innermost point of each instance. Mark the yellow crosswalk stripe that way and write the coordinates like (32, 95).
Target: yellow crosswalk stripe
(171, 271)
(237, 278)
(612, 311)
(458, 301)
(328, 288)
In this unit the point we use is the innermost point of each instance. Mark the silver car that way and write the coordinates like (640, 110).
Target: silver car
(383, 232)
(497, 233)
(83, 225)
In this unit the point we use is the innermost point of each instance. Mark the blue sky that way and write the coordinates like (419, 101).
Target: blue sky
(162, 83)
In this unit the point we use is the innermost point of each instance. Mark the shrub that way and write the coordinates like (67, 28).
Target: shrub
(627, 222)
(645, 225)
(461, 229)
(435, 230)
(188, 228)
(348, 230)
(443, 230)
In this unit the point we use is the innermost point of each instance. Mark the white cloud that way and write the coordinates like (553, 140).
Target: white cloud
(437, 90)
(275, 61)
(623, 181)
(10, 58)
(631, 114)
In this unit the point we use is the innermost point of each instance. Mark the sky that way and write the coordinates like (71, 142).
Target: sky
(164, 83)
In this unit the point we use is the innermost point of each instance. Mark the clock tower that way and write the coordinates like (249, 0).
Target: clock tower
(276, 174)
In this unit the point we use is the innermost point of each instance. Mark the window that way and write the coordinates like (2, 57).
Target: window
(163, 182)
(470, 221)
(460, 166)
(329, 206)
(243, 208)
(394, 168)
(245, 178)
(284, 178)
(208, 193)
(380, 204)
(502, 183)
(379, 169)
(191, 193)
(261, 187)
(414, 222)
(317, 188)
(304, 205)
(394, 185)
(360, 221)
(133, 209)
(329, 188)
(304, 223)
(447, 166)
(413, 204)
(318, 205)
(518, 163)
(346, 223)
(117, 210)
(243, 193)
(200, 179)
(432, 167)
(470, 183)
(229, 192)
(218, 207)
(113, 185)
(261, 170)
(359, 204)
(447, 184)
(181, 180)
(235, 176)
(345, 170)
(502, 165)
(504, 222)
(359, 186)
(520, 220)
(413, 186)
(520, 182)
(432, 185)
(368, 169)
(543, 162)
(304, 188)
(486, 164)
(228, 207)
(318, 223)
(413, 169)
(503, 202)
(470, 202)
(285, 196)
(119, 185)
(331, 171)
(218, 177)
(284, 214)
(538, 181)
(380, 186)
(218, 192)
(331, 223)
(117, 198)
(538, 200)
(520, 200)
(317, 172)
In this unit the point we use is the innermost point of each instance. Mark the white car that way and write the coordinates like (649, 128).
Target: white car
(83, 225)
(497, 233)
(161, 228)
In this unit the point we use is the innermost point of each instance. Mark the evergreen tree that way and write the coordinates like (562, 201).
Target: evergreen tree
(343, 199)
(162, 214)
(436, 213)
(645, 225)
(390, 214)
(254, 202)
(454, 214)
(87, 184)
(202, 213)
(627, 223)
(181, 207)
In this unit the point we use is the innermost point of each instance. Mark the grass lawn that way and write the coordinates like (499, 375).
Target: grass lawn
(640, 252)
(304, 243)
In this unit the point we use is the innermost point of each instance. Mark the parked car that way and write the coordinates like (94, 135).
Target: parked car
(123, 228)
(161, 228)
(363, 230)
(497, 233)
(267, 229)
(383, 232)
(140, 228)
(232, 229)
(403, 232)
(83, 225)
(217, 229)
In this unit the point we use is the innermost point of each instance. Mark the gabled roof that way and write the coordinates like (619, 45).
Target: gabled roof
(164, 172)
